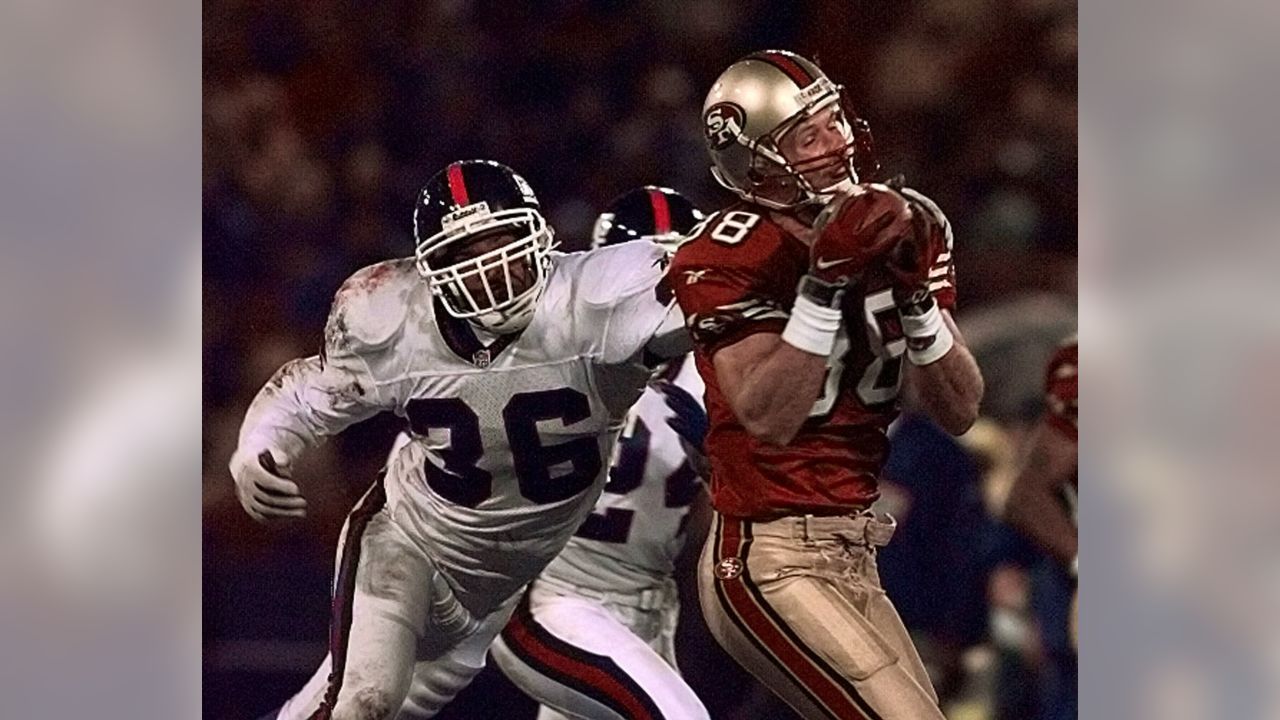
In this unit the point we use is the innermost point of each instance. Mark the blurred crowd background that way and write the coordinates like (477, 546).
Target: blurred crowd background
(323, 118)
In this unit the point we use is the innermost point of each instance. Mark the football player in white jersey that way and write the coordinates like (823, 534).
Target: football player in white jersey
(511, 363)
(594, 638)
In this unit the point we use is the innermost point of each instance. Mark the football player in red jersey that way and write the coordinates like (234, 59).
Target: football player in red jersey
(802, 299)
(1042, 503)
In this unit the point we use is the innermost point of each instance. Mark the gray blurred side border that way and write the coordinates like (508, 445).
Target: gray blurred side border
(100, 390)
(1179, 337)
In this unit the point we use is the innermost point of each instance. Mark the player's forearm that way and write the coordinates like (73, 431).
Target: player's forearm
(777, 389)
(1038, 514)
(949, 390)
(1036, 507)
(296, 409)
(776, 394)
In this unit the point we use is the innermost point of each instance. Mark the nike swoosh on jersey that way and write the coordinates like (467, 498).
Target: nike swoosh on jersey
(823, 264)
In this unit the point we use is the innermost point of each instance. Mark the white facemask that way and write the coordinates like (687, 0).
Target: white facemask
(510, 320)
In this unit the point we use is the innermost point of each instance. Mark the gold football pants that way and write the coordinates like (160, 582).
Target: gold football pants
(798, 602)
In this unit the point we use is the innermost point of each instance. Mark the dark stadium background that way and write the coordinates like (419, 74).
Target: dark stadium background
(323, 118)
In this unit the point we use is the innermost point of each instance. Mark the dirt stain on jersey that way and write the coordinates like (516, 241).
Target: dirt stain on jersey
(287, 371)
(377, 275)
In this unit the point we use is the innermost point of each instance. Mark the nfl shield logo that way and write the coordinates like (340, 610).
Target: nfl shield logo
(480, 358)
(729, 568)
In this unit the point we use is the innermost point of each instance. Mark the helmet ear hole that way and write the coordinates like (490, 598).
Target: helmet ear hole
(761, 170)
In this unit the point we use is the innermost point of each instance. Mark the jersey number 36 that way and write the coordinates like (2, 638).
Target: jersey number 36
(461, 482)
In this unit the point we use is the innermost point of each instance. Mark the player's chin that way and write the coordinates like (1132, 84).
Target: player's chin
(827, 179)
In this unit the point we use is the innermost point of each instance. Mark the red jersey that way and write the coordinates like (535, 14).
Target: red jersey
(737, 276)
(1062, 388)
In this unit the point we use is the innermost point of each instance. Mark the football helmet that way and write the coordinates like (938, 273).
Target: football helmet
(657, 214)
(471, 201)
(751, 107)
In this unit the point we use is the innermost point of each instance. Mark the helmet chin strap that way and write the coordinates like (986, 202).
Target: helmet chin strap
(495, 324)
(844, 187)
(507, 321)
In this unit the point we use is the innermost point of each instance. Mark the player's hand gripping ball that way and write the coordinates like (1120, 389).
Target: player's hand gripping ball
(913, 256)
(856, 229)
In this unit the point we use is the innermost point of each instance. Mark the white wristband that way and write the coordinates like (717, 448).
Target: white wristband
(812, 327)
(928, 337)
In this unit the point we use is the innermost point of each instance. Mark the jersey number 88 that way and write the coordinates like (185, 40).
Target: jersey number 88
(882, 376)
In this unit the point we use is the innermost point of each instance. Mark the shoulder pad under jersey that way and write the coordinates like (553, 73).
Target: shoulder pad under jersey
(370, 308)
(607, 274)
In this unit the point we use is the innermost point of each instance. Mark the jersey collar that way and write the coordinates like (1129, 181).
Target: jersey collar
(461, 338)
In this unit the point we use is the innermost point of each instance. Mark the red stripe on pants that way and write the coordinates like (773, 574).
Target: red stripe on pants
(344, 593)
(785, 652)
(519, 632)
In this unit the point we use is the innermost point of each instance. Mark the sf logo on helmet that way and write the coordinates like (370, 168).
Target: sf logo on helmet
(723, 124)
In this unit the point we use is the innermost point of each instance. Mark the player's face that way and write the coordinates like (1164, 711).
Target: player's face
(522, 273)
(823, 133)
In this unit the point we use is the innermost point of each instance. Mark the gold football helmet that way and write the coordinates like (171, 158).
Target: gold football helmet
(752, 106)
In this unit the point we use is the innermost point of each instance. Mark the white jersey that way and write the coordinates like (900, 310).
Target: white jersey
(508, 440)
(632, 538)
